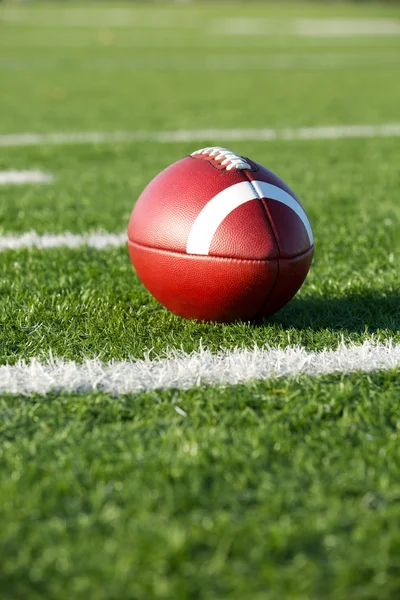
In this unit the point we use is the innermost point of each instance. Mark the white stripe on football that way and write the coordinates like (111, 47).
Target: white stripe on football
(221, 205)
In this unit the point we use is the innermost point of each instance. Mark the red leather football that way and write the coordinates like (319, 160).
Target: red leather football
(218, 237)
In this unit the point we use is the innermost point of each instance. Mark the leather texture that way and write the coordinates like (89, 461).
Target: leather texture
(167, 208)
(205, 287)
(290, 234)
(291, 276)
(259, 256)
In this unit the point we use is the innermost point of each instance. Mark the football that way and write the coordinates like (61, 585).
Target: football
(218, 237)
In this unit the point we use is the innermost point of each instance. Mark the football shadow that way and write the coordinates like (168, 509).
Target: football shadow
(356, 313)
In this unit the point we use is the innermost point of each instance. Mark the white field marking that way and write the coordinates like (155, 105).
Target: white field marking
(145, 38)
(328, 132)
(346, 27)
(306, 27)
(219, 207)
(20, 177)
(97, 17)
(100, 241)
(183, 371)
(251, 62)
(80, 38)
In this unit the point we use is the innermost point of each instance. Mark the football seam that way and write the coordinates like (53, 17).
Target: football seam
(227, 258)
(270, 224)
(265, 211)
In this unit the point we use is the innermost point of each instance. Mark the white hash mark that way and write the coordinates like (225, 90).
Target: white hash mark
(22, 177)
(47, 241)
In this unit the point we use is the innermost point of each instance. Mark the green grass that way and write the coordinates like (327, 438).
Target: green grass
(61, 300)
(79, 303)
(273, 490)
(270, 490)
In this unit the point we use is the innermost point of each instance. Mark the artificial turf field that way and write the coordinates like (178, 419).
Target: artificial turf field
(282, 488)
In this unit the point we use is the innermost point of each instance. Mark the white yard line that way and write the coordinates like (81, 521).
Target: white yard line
(336, 61)
(313, 27)
(328, 132)
(21, 177)
(134, 20)
(183, 371)
(98, 17)
(99, 240)
(346, 27)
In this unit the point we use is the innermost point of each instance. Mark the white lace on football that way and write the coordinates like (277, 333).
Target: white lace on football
(225, 157)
